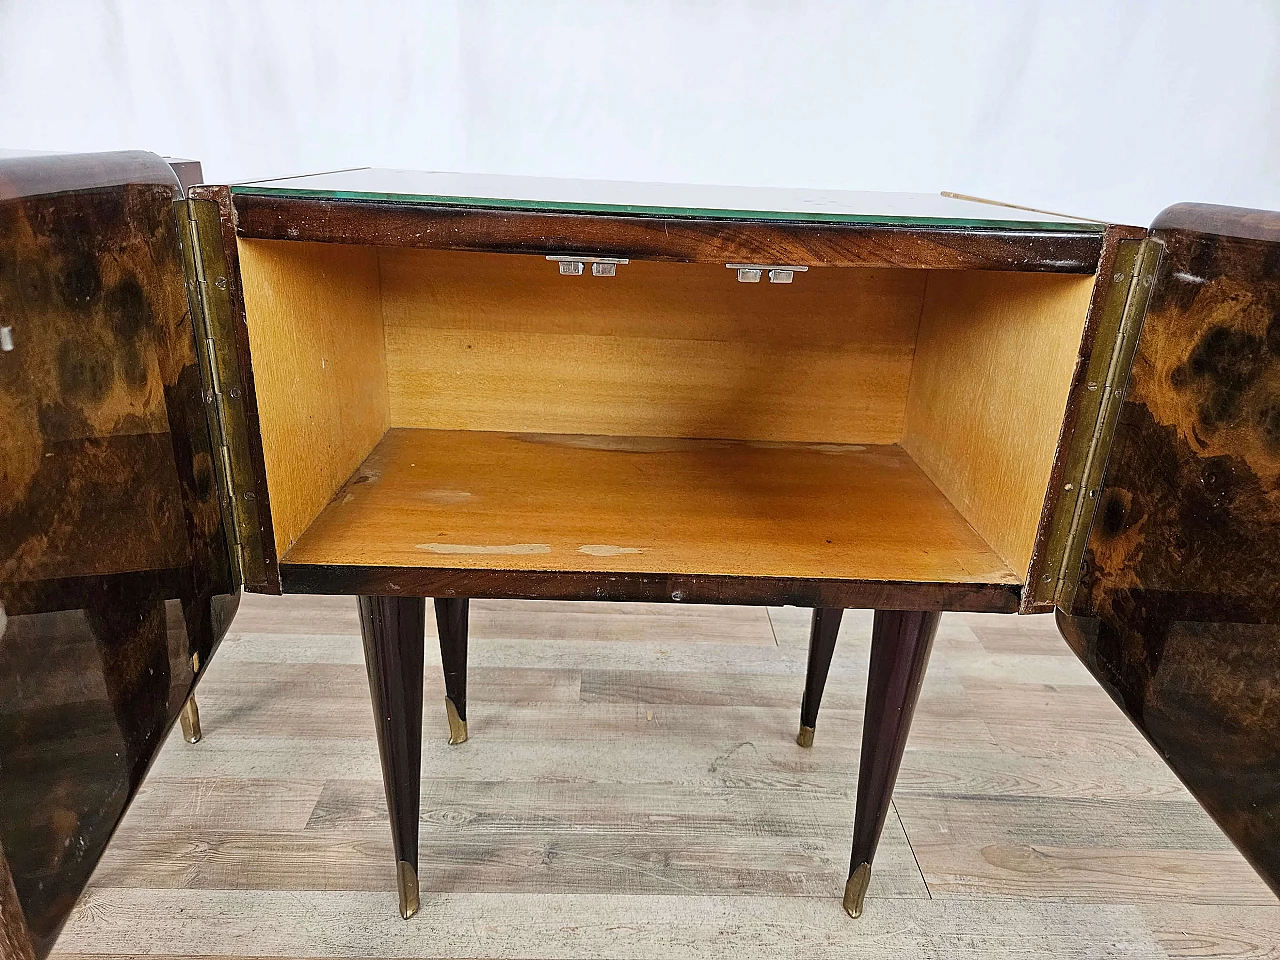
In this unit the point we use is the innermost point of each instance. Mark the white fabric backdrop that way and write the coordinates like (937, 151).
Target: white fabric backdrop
(1106, 109)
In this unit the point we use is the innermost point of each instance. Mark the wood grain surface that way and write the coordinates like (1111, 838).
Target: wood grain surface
(1178, 612)
(115, 583)
(632, 788)
(490, 342)
(658, 238)
(993, 369)
(468, 500)
(320, 370)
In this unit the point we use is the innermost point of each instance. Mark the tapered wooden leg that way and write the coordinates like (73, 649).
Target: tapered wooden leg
(822, 644)
(900, 645)
(394, 637)
(190, 720)
(451, 624)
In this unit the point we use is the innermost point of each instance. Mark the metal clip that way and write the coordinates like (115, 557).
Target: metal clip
(572, 265)
(778, 273)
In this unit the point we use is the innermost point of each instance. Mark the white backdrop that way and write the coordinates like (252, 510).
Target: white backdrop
(1106, 109)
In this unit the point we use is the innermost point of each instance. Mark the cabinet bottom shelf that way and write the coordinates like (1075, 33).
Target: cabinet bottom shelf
(471, 513)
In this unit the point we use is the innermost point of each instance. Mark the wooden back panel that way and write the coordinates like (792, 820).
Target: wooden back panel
(993, 369)
(503, 342)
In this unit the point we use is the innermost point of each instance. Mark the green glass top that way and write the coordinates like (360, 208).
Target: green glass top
(660, 199)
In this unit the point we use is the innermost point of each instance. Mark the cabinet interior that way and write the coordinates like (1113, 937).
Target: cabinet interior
(455, 409)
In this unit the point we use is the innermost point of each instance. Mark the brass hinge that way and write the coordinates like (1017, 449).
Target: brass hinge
(207, 284)
(1119, 325)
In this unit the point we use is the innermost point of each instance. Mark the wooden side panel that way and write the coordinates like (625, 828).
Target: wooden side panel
(1178, 608)
(494, 342)
(993, 370)
(319, 367)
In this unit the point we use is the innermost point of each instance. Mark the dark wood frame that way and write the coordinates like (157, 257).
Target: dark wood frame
(649, 588)
(689, 240)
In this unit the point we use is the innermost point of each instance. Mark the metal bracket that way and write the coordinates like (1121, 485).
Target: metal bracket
(571, 265)
(207, 290)
(1106, 377)
(778, 273)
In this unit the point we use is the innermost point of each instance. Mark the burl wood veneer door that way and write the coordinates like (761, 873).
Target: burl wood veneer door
(115, 580)
(1177, 612)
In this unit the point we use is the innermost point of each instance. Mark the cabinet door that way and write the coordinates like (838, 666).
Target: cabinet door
(115, 580)
(1177, 612)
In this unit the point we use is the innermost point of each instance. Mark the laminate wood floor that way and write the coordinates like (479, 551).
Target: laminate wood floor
(632, 788)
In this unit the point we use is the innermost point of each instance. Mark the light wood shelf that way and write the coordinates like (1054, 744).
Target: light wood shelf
(475, 500)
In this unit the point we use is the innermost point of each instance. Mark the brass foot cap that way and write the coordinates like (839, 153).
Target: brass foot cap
(805, 736)
(190, 720)
(855, 889)
(457, 726)
(407, 877)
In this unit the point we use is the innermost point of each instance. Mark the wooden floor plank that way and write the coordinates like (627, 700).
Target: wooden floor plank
(632, 788)
(1198, 932)
(238, 923)
(644, 622)
(221, 803)
(1117, 851)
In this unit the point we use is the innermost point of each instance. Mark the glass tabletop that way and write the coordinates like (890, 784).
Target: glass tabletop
(660, 199)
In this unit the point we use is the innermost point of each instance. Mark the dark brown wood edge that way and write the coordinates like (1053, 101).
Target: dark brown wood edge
(1071, 419)
(188, 172)
(1213, 218)
(235, 291)
(803, 243)
(38, 174)
(648, 587)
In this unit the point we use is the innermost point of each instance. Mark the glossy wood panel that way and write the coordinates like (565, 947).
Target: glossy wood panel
(115, 582)
(1178, 608)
